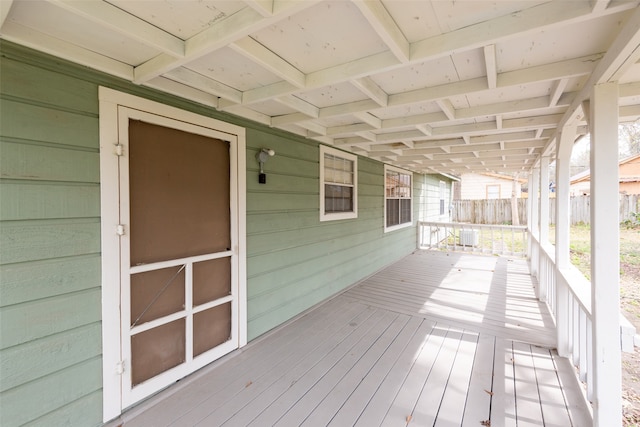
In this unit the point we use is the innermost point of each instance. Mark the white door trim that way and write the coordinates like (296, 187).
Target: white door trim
(110, 103)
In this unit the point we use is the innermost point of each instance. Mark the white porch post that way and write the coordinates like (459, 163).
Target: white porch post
(534, 221)
(543, 217)
(563, 223)
(605, 261)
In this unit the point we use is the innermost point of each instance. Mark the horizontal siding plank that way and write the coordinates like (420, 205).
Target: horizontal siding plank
(31, 281)
(38, 162)
(35, 123)
(25, 322)
(38, 85)
(35, 359)
(20, 405)
(38, 240)
(37, 200)
(85, 411)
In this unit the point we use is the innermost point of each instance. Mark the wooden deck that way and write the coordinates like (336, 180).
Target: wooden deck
(434, 340)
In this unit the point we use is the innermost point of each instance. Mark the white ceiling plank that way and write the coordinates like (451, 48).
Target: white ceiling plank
(558, 70)
(425, 129)
(491, 65)
(263, 7)
(288, 119)
(300, 105)
(313, 127)
(259, 54)
(599, 5)
(499, 122)
(447, 108)
(413, 120)
(368, 135)
(369, 119)
(337, 131)
(347, 109)
(103, 13)
(357, 68)
(372, 90)
(248, 113)
(621, 55)
(62, 49)
(265, 92)
(220, 34)
(384, 25)
(183, 91)
(628, 90)
(629, 113)
(511, 136)
(556, 91)
(205, 84)
(534, 19)
(5, 7)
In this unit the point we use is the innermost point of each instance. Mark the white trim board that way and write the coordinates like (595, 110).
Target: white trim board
(110, 103)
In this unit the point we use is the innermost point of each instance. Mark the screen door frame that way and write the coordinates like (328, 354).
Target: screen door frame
(116, 109)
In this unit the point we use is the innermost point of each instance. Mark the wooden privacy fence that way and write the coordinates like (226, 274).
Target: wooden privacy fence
(498, 211)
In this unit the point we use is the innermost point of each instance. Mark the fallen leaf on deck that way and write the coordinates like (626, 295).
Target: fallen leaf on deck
(486, 423)
(490, 393)
(408, 419)
(248, 384)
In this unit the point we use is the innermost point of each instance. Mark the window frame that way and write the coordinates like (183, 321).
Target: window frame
(387, 169)
(335, 216)
(442, 188)
(488, 192)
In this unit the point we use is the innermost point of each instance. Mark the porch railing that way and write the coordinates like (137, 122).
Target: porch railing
(473, 238)
(567, 292)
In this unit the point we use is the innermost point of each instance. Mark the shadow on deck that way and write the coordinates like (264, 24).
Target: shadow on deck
(435, 339)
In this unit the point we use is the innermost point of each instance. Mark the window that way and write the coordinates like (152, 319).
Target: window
(338, 184)
(493, 191)
(398, 202)
(443, 190)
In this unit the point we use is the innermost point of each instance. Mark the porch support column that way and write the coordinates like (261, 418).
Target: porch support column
(534, 223)
(605, 256)
(544, 227)
(563, 223)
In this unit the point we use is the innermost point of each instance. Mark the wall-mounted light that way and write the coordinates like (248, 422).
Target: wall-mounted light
(261, 157)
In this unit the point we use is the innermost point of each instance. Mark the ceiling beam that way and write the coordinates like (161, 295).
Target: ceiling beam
(386, 28)
(116, 19)
(264, 57)
(622, 54)
(218, 35)
(372, 90)
(205, 84)
(54, 46)
(490, 65)
(5, 7)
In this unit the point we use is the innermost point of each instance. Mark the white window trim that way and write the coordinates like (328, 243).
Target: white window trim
(340, 215)
(442, 189)
(406, 224)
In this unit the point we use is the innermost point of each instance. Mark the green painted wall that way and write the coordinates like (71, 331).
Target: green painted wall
(50, 313)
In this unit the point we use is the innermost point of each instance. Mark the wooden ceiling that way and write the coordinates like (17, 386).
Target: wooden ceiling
(430, 86)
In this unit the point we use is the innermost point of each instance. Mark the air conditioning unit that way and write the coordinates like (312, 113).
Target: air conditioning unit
(468, 237)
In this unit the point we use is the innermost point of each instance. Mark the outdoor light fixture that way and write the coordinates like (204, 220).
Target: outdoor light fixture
(261, 157)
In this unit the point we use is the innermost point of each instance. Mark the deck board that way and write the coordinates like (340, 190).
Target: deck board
(419, 344)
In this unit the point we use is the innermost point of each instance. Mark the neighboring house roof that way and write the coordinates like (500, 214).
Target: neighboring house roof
(586, 175)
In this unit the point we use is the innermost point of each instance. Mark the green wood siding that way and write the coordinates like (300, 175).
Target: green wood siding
(50, 312)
